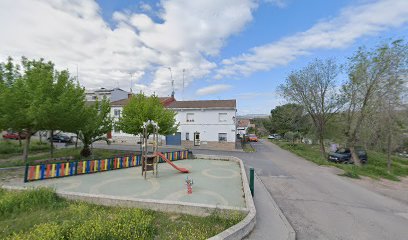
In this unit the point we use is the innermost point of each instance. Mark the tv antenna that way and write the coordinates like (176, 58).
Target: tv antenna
(182, 91)
(172, 81)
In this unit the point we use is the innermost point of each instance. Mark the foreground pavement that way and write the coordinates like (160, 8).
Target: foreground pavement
(321, 205)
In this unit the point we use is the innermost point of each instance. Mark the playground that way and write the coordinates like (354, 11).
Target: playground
(215, 182)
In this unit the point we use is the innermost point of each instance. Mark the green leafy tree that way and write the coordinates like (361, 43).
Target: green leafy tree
(141, 109)
(96, 123)
(288, 117)
(59, 103)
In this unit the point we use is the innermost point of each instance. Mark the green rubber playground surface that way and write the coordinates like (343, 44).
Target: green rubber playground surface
(215, 182)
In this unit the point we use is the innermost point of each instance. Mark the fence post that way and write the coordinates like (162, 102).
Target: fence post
(251, 180)
(26, 173)
(76, 167)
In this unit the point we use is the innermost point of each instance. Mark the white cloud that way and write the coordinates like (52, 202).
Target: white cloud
(352, 23)
(213, 89)
(72, 33)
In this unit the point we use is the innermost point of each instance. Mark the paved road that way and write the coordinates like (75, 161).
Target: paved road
(320, 204)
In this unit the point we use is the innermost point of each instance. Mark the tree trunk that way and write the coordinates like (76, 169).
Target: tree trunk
(389, 152)
(19, 139)
(76, 141)
(321, 142)
(354, 156)
(40, 134)
(26, 147)
(86, 151)
(52, 143)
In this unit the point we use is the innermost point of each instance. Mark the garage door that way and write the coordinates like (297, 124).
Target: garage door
(174, 139)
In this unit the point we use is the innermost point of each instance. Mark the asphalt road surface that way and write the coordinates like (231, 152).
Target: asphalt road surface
(320, 204)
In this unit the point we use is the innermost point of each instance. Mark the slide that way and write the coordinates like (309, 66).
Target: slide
(183, 170)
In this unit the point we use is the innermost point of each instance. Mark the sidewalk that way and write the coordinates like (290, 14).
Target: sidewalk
(270, 221)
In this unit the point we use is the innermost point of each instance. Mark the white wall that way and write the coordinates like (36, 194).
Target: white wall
(207, 123)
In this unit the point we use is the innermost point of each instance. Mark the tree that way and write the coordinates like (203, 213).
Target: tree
(96, 123)
(59, 103)
(141, 109)
(288, 117)
(374, 77)
(314, 88)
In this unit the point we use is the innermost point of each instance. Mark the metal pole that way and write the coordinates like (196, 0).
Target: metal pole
(251, 180)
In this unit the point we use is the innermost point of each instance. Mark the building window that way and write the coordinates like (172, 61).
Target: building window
(190, 117)
(222, 137)
(187, 136)
(116, 112)
(222, 117)
(94, 98)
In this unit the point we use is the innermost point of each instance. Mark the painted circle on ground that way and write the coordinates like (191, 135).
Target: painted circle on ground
(182, 196)
(220, 173)
(112, 187)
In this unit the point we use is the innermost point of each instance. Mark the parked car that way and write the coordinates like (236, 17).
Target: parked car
(274, 136)
(61, 138)
(14, 135)
(343, 155)
(253, 138)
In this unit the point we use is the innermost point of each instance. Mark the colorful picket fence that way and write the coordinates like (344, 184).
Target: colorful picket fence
(65, 169)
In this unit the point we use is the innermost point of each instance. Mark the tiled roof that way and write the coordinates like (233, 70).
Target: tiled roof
(243, 123)
(164, 100)
(204, 104)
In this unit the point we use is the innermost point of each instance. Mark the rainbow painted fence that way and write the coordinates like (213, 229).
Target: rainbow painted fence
(65, 169)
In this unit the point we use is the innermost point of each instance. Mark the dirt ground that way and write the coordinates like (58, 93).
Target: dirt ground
(11, 175)
(392, 189)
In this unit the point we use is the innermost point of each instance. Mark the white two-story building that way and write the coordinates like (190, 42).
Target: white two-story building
(204, 124)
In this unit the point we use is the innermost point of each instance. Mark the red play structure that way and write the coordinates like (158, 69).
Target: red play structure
(183, 170)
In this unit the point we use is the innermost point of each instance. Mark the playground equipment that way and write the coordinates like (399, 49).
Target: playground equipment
(183, 170)
(189, 184)
(150, 160)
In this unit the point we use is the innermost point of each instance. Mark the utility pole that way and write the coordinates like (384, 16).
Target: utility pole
(131, 83)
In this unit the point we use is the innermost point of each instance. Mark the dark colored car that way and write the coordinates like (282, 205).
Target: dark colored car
(61, 138)
(14, 135)
(343, 155)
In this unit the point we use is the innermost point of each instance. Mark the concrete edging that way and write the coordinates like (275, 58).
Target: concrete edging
(243, 228)
(237, 231)
(196, 209)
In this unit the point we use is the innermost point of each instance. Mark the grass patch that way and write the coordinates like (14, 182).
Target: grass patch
(14, 161)
(375, 168)
(10, 148)
(247, 147)
(41, 214)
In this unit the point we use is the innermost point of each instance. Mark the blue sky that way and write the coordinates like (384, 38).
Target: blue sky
(240, 49)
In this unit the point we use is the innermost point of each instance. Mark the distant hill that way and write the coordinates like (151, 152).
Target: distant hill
(252, 116)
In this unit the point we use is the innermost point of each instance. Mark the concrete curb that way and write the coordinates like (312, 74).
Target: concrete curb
(290, 230)
(196, 209)
(243, 228)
